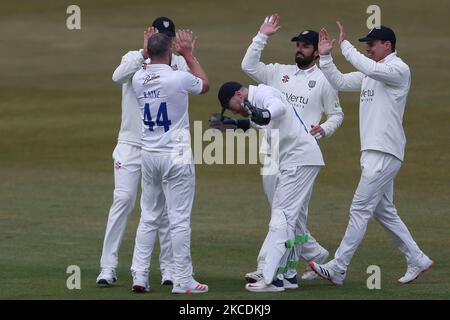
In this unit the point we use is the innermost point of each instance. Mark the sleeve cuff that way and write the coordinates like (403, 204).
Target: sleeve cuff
(345, 45)
(261, 37)
(325, 59)
(327, 130)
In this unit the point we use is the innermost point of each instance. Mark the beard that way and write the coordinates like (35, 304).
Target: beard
(303, 62)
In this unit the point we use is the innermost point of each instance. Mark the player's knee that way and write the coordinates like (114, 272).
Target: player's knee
(149, 222)
(178, 217)
(180, 227)
(277, 225)
(124, 197)
(278, 221)
(361, 207)
(359, 218)
(360, 212)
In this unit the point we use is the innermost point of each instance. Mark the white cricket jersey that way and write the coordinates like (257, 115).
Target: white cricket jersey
(296, 146)
(306, 90)
(130, 128)
(162, 94)
(383, 88)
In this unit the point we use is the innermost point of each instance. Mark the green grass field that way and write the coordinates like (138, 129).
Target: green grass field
(59, 119)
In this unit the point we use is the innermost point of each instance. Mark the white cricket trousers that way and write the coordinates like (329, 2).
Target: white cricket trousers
(289, 208)
(308, 250)
(127, 172)
(374, 198)
(164, 178)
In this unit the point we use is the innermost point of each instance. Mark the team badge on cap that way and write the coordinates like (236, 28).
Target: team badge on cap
(165, 25)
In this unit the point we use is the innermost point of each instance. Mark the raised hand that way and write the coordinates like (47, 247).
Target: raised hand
(184, 42)
(325, 43)
(271, 25)
(193, 44)
(147, 34)
(342, 34)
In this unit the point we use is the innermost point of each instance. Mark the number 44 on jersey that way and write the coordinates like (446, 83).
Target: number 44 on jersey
(162, 120)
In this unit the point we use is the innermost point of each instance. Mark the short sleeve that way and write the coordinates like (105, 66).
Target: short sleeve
(191, 83)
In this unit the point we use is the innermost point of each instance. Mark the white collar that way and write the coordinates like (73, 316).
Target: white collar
(389, 57)
(159, 67)
(251, 93)
(306, 71)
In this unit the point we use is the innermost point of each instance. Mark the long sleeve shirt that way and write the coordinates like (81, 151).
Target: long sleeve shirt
(286, 137)
(306, 90)
(383, 87)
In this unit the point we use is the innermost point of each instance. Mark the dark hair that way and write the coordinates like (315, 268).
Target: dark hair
(158, 45)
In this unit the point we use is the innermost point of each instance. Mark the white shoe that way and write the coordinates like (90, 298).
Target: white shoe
(320, 259)
(309, 274)
(413, 272)
(107, 277)
(261, 286)
(194, 287)
(140, 282)
(254, 276)
(326, 272)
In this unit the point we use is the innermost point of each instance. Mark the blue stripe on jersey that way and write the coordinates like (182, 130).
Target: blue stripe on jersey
(300, 119)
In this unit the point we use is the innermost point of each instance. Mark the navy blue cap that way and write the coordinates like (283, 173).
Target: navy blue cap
(382, 33)
(308, 36)
(227, 91)
(165, 26)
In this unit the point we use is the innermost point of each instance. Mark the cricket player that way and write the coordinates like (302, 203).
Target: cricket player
(127, 162)
(299, 160)
(383, 81)
(309, 92)
(168, 172)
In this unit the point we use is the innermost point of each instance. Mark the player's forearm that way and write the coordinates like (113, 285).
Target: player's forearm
(333, 122)
(197, 70)
(338, 80)
(131, 62)
(378, 71)
(251, 63)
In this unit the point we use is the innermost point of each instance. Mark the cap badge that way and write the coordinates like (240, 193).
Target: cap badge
(166, 24)
(305, 32)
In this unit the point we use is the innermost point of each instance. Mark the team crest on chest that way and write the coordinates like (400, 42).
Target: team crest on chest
(285, 78)
(312, 83)
(175, 67)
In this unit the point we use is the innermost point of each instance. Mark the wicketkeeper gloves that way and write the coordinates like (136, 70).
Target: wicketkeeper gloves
(257, 115)
(220, 122)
